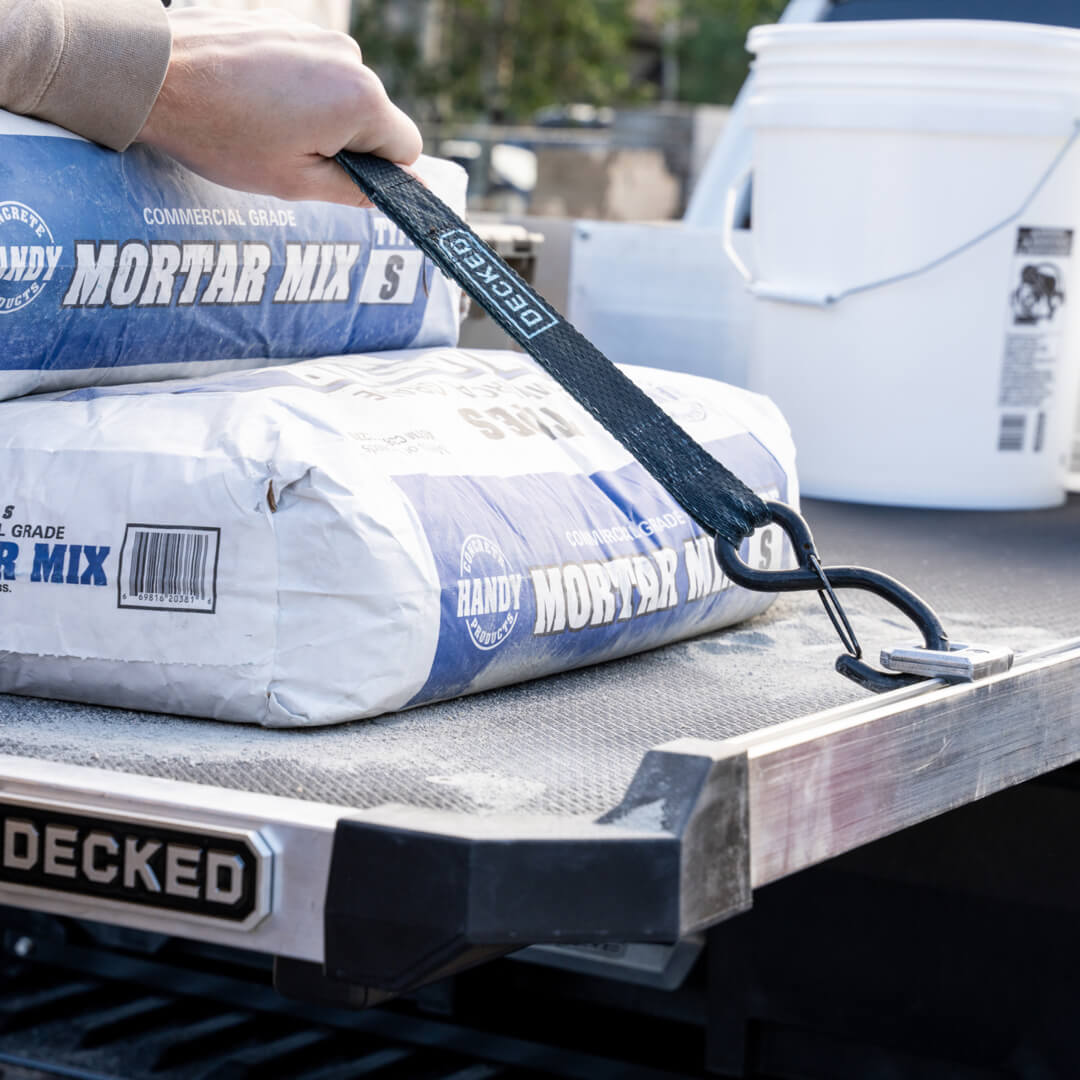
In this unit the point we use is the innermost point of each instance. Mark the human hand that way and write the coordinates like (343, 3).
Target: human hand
(262, 101)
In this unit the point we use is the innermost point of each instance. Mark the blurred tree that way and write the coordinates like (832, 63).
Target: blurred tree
(711, 44)
(498, 59)
(501, 60)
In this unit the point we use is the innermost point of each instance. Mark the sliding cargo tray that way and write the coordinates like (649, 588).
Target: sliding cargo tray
(637, 801)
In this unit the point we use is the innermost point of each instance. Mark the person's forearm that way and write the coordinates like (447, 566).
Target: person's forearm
(262, 101)
(255, 100)
(92, 66)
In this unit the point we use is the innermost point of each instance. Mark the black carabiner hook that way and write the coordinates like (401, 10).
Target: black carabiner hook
(812, 575)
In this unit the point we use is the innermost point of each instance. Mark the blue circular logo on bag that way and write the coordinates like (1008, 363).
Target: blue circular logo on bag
(28, 256)
(489, 594)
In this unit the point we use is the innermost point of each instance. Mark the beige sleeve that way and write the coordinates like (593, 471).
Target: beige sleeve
(92, 66)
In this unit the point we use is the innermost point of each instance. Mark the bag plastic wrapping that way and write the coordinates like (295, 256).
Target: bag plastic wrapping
(119, 268)
(343, 537)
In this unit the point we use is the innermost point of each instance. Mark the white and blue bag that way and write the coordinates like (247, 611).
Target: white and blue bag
(119, 268)
(343, 537)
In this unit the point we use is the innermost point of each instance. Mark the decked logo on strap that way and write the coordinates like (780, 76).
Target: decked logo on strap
(521, 307)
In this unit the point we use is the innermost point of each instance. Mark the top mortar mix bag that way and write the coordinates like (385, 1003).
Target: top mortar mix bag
(130, 268)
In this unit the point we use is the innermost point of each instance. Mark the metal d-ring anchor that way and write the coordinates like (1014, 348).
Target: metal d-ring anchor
(824, 580)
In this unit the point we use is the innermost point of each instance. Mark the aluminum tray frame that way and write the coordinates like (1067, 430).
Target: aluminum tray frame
(395, 896)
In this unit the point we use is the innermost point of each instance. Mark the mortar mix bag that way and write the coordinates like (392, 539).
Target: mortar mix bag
(117, 268)
(342, 537)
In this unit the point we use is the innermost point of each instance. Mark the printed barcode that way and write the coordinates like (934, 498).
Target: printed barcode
(1040, 433)
(169, 568)
(1011, 433)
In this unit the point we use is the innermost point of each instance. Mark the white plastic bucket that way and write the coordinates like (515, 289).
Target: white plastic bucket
(938, 163)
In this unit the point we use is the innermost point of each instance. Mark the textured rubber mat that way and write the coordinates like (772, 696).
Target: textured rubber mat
(570, 744)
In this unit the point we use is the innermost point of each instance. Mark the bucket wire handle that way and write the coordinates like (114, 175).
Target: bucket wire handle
(785, 294)
(811, 575)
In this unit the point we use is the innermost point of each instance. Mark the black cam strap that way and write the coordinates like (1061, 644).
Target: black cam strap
(717, 499)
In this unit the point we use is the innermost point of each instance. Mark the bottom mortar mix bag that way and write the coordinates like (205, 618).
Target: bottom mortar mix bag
(343, 537)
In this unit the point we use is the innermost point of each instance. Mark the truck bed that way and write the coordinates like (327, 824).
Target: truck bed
(561, 767)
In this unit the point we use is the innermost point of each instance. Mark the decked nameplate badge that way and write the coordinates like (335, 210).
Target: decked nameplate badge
(112, 863)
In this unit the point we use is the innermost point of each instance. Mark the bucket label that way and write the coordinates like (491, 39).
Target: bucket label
(1034, 337)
